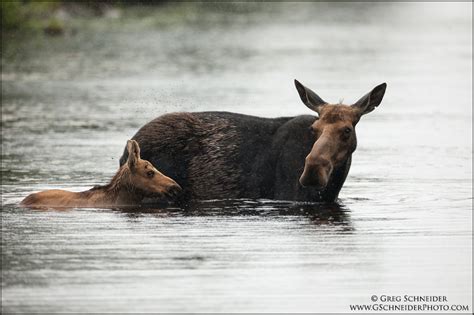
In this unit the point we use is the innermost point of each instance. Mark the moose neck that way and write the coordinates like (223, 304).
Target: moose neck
(337, 179)
(128, 196)
(120, 191)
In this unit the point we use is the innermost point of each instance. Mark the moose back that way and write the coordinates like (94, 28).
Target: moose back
(220, 155)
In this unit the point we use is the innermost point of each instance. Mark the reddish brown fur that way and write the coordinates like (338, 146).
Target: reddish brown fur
(334, 113)
(336, 141)
(134, 181)
(334, 133)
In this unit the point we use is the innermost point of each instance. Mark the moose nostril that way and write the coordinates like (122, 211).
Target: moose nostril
(175, 189)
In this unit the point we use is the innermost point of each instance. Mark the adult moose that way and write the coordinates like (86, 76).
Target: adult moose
(217, 155)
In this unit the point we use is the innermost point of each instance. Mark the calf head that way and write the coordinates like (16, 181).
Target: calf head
(333, 132)
(145, 178)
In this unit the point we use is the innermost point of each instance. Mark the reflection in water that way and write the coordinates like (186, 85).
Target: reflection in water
(317, 213)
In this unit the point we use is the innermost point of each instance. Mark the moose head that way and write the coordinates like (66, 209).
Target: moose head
(334, 133)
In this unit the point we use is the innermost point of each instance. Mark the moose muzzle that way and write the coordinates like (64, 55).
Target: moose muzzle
(316, 172)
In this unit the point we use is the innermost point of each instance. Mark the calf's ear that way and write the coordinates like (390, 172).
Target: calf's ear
(309, 98)
(133, 153)
(369, 101)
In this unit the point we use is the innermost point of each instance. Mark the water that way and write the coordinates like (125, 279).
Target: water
(403, 224)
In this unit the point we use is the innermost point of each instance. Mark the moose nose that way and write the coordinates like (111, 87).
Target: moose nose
(319, 162)
(316, 172)
(174, 189)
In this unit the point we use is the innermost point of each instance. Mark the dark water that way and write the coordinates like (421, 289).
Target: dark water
(404, 221)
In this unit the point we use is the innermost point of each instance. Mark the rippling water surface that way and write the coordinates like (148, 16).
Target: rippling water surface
(403, 224)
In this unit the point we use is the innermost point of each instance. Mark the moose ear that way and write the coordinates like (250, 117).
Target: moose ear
(309, 98)
(133, 153)
(369, 101)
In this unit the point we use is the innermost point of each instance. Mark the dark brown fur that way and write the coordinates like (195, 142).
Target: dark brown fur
(180, 136)
(218, 155)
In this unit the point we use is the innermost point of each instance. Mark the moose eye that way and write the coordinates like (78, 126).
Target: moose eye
(347, 130)
(150, 174)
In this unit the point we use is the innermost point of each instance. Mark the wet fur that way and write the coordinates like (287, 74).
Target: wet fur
(219, 155)
(96, 196)
(129, 186)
